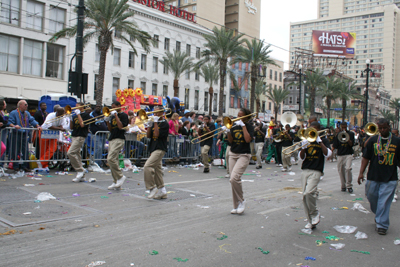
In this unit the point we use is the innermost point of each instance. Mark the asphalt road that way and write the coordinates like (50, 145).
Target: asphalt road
(194, 223)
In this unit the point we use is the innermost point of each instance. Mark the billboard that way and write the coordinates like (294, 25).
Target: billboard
(334, 44)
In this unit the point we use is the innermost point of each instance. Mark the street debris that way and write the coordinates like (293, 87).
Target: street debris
(29, 185)
(181, 260)
(95, 263)
(153, 252)
(319, 242)
(397, 242)
(310, 258)
(92, 180)
(222, 237)
(307, 231)
(359, 198)
(44, 196)
(338, 246)
(27, 213)
(202, 207)
(220, 247)
(361, 235)
(263, 251)
(251, 181)
(359, 207)
(104, 197)
(363, 252)
(76, 195)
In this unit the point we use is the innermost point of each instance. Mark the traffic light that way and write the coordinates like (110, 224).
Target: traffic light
(73, 86)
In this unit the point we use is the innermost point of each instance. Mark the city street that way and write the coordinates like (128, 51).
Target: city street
(123, 228)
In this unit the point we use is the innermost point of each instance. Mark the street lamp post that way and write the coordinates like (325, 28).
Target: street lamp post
(367, 71)
(300, 67)
(398, 114)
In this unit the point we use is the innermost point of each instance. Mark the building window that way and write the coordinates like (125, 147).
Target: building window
(280, 76)
(115, 87)
(205, 101)
(196, 99)
(34, 15)
(188, 49)
(156, 40)
(165, 68)
(232, 101)
(143, 62)
(215, 101)
(224, 103)
(9, 53)
(269, 106)
(96, 80)
(165, 90)
(194, 8)
(131, 84)
(178, 46)
(57, 19)
(131, 62)
(154, 89)
(97, 55)
(270, 74)
(117, 34)
(166, 44)
(33, 53)
(290, 100)
(263, 107)
(54, 64)
(117, 57)
(143, 86)
(187, 75)
(198, 52)
(276, 75)
(10, 11)
(187, 92)
(197, 75)
(155, 64)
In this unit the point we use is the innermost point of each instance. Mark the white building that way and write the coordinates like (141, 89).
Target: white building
(30, 66)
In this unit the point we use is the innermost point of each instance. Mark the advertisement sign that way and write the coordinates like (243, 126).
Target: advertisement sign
(290, 107)
(264, 116)
(334, 44)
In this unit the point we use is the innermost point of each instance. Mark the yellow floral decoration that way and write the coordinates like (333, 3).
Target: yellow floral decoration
(126, 93)
(118, 93)
(139, 91)
(122, 100)
(131, 92)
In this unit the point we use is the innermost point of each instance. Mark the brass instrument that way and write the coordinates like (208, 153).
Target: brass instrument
(68, 111)
(228, 123)
(289, 118)
(300, 134)
(106, 113)
(371, 129)
(310, 135)
(343, 137)
(144, 117)
(280, 136)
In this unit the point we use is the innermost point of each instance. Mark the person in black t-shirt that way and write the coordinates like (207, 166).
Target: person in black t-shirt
(259, 136)
(287, 141)
(345, 158)
(383, 154)
(278, 145)
(116, 123)
(79, 134)
(240, 137)
(153, 174)
(40, 116)
(313, 155)
(205, 145)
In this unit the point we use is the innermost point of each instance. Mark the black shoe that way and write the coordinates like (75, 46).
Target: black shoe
(16, 169)
(27, 170)
(267, 162)
(381, 231)
(206, 170)
(343, 189)
(350, 190)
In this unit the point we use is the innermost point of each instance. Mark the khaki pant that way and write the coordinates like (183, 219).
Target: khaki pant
(309, 182)
(259, 150)
(153, 174)
(74, 153)
(228, 149)
(344, 168)
(237, 165)
(114, 148)
(286, 162)
(204, 156)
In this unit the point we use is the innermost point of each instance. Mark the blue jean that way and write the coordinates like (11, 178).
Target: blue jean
(136, 146)
(380, 196)
(98, 145)
(19, 146)
(214, 148)
(172, 146)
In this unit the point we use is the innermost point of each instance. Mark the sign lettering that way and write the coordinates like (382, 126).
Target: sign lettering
(175, 11)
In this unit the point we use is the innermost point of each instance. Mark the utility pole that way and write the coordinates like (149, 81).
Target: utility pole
(300, 67)
(79, 47)
(365, 115)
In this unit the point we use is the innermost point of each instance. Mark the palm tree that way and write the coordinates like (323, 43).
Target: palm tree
(388, 115)
(395, 104)
(210, 74)
(103, 19)
(261, 89)
(221, 45)
(314, 79)
(277, 95)
(347, 91)
(178, 63)
(256, 54)
(328, 90)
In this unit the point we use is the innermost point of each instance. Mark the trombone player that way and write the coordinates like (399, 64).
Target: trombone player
(205, 145)
(343, 142)
(287, 141)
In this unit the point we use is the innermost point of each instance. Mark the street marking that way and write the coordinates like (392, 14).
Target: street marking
(194, 181)
(324, 197)
(272, 210)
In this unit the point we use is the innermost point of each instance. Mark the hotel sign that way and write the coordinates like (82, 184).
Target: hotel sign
(250, 6)
(175, 11)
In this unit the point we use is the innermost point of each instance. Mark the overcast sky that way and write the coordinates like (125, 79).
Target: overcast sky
(275, 22)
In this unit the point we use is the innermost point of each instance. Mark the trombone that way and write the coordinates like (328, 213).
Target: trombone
(106, 113)
(144, 117)
(68, 111)
(228, 123)
(371, 129)
(343, 137)
(310, 134)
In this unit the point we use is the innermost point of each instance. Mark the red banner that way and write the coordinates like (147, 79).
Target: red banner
(334, 44)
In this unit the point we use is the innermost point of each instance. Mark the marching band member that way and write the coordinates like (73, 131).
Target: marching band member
(312, 155)
(259, 136)
(382, 152)
(287, 141)
(153, 174)
(345, 158)
(79, 133)
(240, 136)
(278, 145)
(116, 123)
(205, 145)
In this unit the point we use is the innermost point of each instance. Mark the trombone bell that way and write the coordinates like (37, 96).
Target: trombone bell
(371, 129)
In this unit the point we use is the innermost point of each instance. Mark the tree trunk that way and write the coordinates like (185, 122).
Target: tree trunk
(257, 107)
(343, 109)
(253, 86)
(276, 107)
(102, 68)
(211, 92)
(312, 101)
(176, 88)
(222, 74)
(328, 112)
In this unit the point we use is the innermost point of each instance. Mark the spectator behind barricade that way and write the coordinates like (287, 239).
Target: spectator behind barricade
(173, 130)
(200, 118)
(98, 139)
(4, 132)
(185, 129)
(40, 117)
(186, 115)
(193, 131)
(139, 122)
(192, 117)
(215, 147)
(18, 119)
(132, 146)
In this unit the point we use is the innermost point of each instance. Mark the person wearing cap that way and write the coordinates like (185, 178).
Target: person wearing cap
(185, 116)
